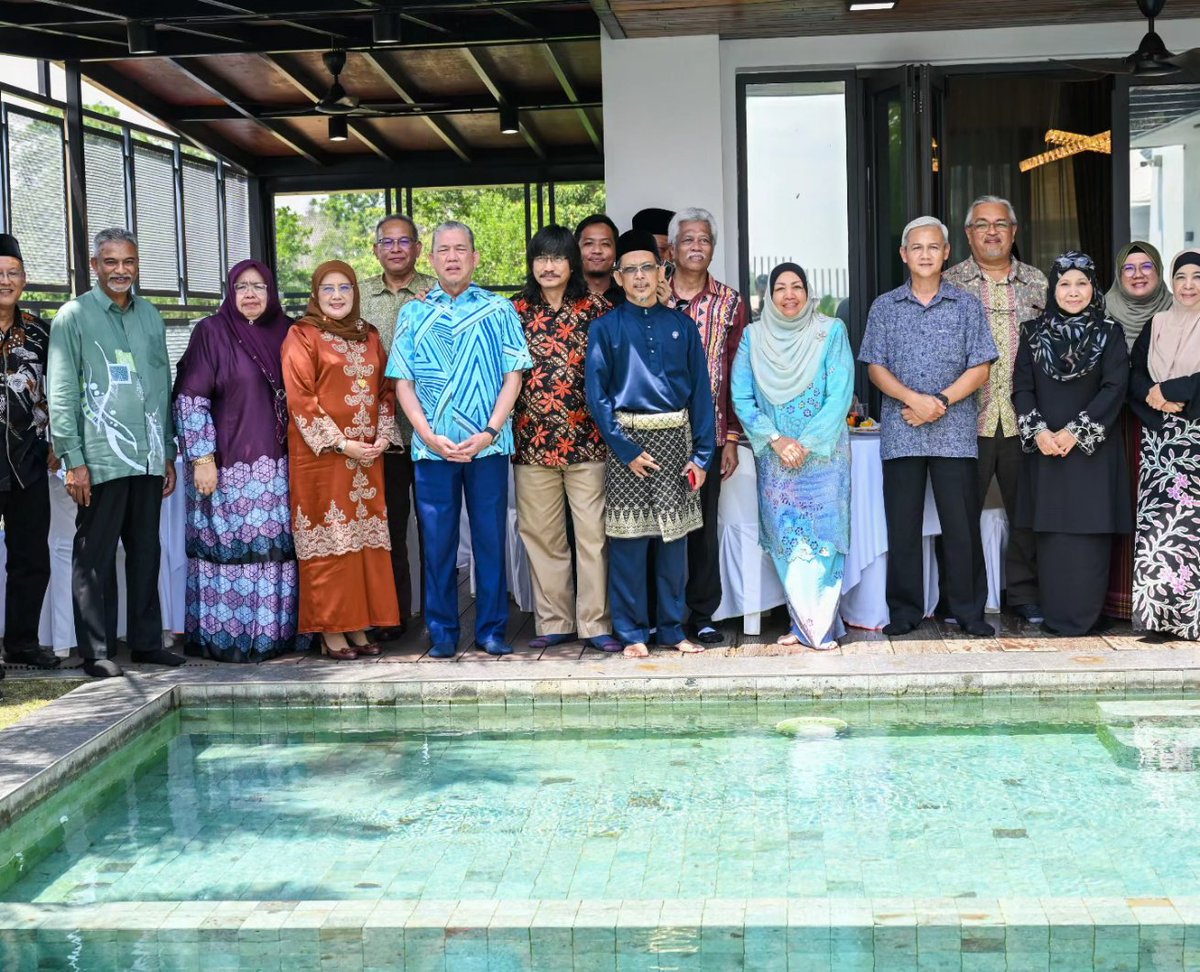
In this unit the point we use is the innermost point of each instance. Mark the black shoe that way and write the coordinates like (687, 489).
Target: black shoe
(709, 635)
(37, 656)
(394, 633)
(102, 668)
(899, 628)
(159, 656)
(1029, 612)
(979, 629)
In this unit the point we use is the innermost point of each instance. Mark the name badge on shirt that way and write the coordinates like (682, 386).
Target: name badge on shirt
(118, 374)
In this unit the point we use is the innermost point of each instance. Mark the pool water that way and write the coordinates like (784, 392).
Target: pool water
(656, 807)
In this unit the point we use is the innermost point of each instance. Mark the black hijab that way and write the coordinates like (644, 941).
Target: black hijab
(1069, 346)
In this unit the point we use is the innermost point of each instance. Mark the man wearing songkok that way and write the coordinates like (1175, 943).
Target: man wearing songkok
(458, 360)
(109, 390)
(24, 483)
(648, 391)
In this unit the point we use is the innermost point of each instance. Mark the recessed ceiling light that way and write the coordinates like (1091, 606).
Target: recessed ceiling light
(872, 4)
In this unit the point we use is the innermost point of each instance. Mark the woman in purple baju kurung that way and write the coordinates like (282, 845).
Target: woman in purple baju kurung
(231, 417)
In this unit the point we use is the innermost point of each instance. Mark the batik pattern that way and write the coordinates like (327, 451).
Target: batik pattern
(662, 504)
(1166, 568)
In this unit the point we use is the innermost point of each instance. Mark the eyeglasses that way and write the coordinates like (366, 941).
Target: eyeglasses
(13, 275)
(549, 258)
(391, 242)
(247, 288)
(983, 225)
(1133, 269)
(330, 289)
(1081, 261)
(641, 269)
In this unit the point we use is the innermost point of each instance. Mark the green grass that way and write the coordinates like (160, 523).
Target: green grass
(21, 696)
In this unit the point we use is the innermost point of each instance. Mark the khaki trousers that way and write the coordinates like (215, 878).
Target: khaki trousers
(542, 496)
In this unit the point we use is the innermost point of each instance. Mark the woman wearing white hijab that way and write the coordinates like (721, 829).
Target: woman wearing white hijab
(1165, 394)
(791, 386)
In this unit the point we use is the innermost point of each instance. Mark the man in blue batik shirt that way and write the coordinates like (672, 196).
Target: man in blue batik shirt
(929, 348)
(458, 359)
(648, 391)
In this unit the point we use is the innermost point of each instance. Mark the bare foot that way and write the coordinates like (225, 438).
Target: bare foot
(637, 650)
(689, 647)
(788, 640)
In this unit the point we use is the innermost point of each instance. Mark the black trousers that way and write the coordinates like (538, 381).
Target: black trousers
(956, 493)
(126, 510)
(26, 513)
(1000, 456)
(399, 493)
(1073, 579)
(704, 553)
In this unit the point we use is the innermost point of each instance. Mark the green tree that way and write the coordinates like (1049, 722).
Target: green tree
(293, 250)
(575, 200)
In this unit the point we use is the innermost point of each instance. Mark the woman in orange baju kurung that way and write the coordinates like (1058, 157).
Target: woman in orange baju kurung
(343, 418)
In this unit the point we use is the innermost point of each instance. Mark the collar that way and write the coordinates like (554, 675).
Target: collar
(710, 287)
(945, 292)
(107, 303)
(440, 296)
(381, 289)
(1016, 271)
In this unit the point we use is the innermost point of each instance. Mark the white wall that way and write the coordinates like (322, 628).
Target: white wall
(663, 98)
(662, 129)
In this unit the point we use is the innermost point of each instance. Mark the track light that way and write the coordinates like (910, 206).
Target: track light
(510, 120)
(140, 34)
(385, 26)
(337, 128)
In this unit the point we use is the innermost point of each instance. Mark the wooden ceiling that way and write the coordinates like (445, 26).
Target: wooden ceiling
(220, 71)
(788, 18)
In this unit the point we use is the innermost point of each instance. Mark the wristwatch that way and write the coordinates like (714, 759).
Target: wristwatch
(340, 447)
(942, 398)
(773, 438)
(492, 432)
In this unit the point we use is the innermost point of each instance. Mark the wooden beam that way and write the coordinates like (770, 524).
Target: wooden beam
(407, 91)
(608, 20)
(568, 87)
(123, 89)
(291, 69)
(454, 105)
(299, 144)
(486, 74)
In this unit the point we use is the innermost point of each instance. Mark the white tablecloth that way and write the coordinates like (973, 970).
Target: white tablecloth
(57, 625)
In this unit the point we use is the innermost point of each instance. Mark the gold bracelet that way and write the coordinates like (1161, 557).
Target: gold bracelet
(204, 460)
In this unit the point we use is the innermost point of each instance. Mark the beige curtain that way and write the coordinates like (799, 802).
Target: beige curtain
(1053, 205)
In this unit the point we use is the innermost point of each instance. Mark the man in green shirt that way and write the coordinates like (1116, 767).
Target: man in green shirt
(109, 392)
(397, 248)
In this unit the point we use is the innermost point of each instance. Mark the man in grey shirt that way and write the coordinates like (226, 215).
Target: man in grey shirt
(929, 348)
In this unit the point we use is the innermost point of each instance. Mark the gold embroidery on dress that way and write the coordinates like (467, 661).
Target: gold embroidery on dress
(339, 535)
(321, 434)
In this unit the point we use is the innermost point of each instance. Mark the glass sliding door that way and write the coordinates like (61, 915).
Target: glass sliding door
(794, 190)
(1164, 161)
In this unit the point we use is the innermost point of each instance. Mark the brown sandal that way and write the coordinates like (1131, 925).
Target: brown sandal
(338, 654)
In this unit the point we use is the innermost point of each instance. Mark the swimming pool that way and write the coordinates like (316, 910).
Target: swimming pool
(961, 834)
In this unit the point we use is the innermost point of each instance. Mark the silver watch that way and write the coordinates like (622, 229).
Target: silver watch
(773, 438)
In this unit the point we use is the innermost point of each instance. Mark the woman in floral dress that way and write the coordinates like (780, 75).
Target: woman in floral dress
(1165, 394)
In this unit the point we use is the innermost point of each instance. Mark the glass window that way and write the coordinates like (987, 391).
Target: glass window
(797, 186)
(1164, 150)
(496, 215)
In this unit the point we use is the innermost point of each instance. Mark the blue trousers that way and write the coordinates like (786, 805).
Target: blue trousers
(627, 589)
(441, 486)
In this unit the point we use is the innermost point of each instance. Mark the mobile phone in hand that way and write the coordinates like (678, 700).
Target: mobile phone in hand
(691, 475)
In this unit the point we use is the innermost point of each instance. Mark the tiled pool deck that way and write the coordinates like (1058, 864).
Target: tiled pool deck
(914, 675)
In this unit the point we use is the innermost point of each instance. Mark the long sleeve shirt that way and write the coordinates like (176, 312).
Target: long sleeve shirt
(456, 352)
(109, 387)
(23, 415)
(649, 360)
(720, 315)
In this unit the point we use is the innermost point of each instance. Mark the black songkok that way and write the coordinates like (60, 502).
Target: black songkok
(633, 241)
(652, 220)
(9, 247)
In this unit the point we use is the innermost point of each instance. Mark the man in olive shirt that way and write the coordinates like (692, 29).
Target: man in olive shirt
(397, 248)
(109, 393)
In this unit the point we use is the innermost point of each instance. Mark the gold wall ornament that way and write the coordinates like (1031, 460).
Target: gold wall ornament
(1068, 144)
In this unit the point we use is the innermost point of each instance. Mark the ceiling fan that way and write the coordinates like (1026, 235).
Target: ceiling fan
(336, 102)
(1151, 59)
